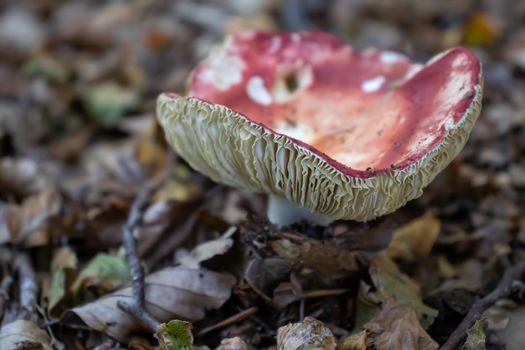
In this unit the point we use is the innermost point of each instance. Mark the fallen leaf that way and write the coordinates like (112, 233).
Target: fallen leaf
(25, 176)
(326, 257)
(481, 29)
(47, 67)
(29, 223)
(309, 334)
(109, 102)
(415, 239)
(397, 327)
(476, 339)
(355, 342)
(235, 343)
(175, 335)
(264, 275)
(63, 264)
(208, 250)
(23, 334)
(389, 283)
(505, 320)
(171, 293)
(105, 272)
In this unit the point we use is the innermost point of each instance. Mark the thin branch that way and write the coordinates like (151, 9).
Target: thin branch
(140, 314)
(230, 320)
(138, 308)
(504, 289)
(7, 281)
(27, 281)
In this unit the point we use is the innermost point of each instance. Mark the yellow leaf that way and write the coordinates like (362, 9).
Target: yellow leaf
(415, 239)
(480, 30)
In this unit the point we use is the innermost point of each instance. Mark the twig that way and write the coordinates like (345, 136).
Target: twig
(27, 281)
(7, 281)
(504, 289)
(230, 320)
(140, 313)
(137, 308)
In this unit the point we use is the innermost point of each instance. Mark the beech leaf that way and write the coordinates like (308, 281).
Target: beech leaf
(64, 261)
(23, 334)
(171, 293)
(415, 239)
(107, 271)
(397, 327)
(390, 283)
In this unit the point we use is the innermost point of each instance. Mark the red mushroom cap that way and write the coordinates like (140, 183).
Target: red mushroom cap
(348, 134)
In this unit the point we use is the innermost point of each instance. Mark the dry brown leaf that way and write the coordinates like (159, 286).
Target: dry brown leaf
(415, 239)
(263, 275)
(397, 327)
(23, 334)
(325, 257)
(506, 320)
(171, 293)
(309, 334)
(24, 176)
(355, 342)
(208, 250)
(28, 224)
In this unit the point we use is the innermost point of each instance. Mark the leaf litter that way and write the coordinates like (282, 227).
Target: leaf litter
(78, 142)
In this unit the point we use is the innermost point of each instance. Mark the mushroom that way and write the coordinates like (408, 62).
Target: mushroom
(327, 131)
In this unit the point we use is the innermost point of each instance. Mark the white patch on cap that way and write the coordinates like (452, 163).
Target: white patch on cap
(373, 85)
(275, 45)
(257, 91)
(299, 132)
(223, 68)
(391, 57)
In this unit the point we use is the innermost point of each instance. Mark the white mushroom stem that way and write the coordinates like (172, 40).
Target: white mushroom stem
(281, 212)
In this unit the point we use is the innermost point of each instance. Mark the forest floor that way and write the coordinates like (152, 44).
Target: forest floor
(82, 155)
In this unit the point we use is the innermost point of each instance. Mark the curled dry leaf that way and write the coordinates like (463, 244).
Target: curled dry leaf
(355, 342)
(476, 338)
(28, 223)
(171, 293)
(397, 327)
(235, 343)
(23, 334)
(415, 239)
(309, 334)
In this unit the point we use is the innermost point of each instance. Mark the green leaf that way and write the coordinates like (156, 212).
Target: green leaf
(46, 67)
(63, 266)
(109, 102)
(475, 337)
(106, 272)
(175, 335)
(390, 283)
